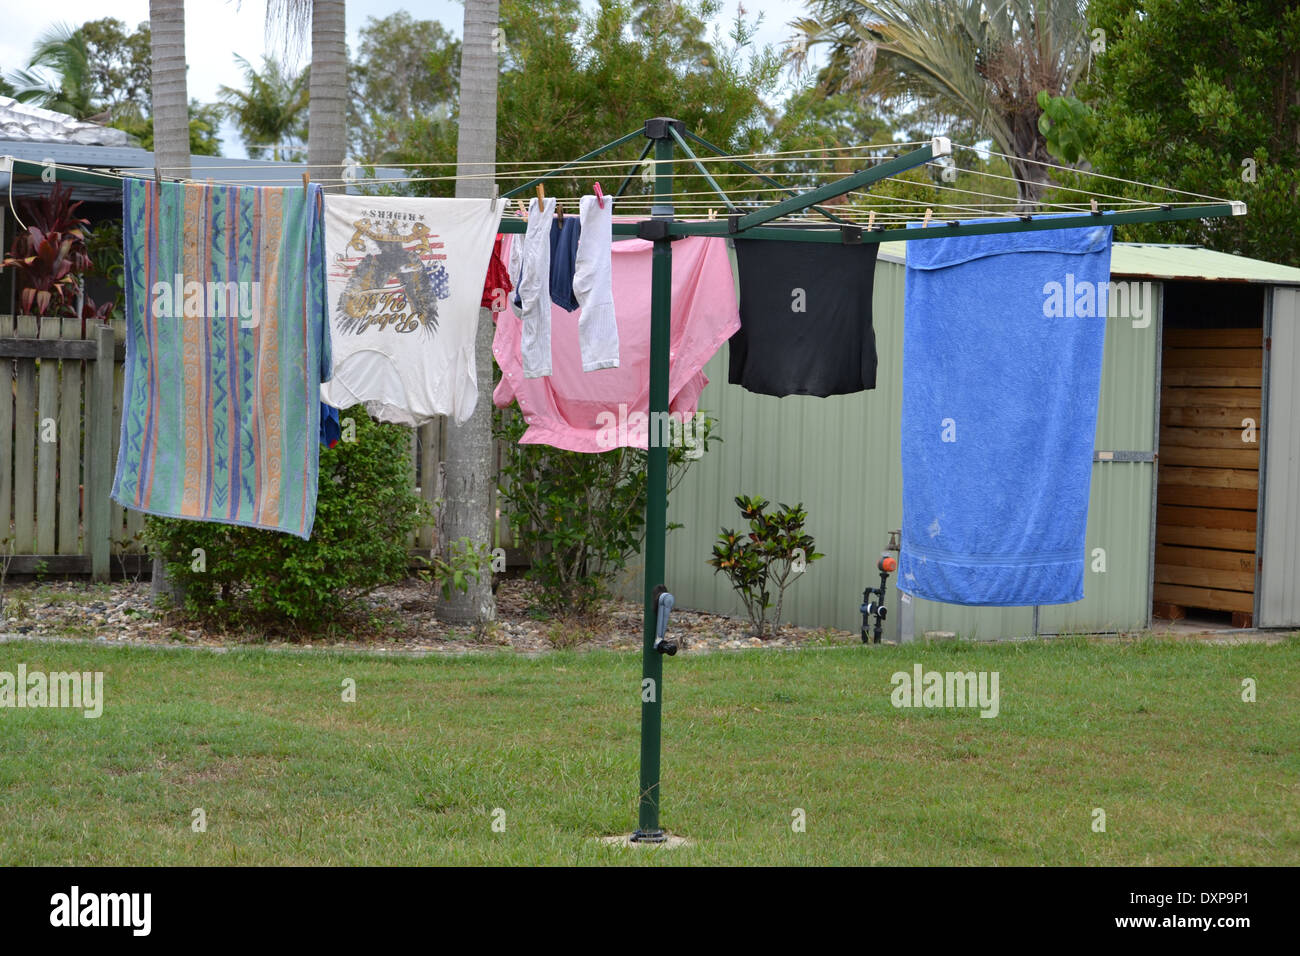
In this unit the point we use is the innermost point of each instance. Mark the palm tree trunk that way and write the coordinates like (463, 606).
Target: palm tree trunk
(171, 152)
(469, 472)
(1030, 153)
(327, 141)
(171, 112)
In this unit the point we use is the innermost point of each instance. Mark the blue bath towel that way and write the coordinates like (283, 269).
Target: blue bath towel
(1002, 350)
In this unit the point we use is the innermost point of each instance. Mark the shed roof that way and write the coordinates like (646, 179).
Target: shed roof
(1140, 260)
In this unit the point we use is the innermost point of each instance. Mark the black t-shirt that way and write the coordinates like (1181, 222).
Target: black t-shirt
(805, 318)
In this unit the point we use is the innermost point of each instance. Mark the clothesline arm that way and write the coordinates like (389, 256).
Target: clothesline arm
(749, 168)
(703, 172)
(939, 146)
(627, 180)
(509, 194)
(940, 229)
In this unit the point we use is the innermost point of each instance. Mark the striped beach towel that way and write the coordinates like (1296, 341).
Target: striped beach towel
(227, 343)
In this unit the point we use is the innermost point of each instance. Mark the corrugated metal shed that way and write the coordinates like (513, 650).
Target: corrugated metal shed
(840, 457)
(1278, 597)
(1153, 261)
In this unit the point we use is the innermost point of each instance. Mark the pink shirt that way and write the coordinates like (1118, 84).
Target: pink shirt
(565, 409)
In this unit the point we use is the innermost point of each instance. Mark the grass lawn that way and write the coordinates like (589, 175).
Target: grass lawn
(1154, 732)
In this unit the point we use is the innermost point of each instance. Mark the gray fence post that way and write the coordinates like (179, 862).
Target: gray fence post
(100, 477)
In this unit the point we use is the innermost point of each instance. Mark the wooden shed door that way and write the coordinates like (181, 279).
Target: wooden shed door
(1208, 485)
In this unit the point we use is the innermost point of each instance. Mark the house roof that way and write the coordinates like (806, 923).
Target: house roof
(23, 123)
(133, 159)
(1139, 260)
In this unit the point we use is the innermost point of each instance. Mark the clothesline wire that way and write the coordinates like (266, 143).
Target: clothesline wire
(1085, 172)
(637, 164)
(687, 198)
(500, 169)
(544, 164)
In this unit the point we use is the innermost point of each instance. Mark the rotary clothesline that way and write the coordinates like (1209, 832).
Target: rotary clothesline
(788, 219)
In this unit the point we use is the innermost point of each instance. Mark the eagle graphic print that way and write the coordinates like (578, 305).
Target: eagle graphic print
(405, 279)
(395, 272)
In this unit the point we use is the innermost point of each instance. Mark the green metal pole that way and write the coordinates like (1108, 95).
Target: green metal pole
(656, 511)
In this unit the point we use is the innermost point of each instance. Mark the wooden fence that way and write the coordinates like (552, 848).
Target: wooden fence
(60, 417)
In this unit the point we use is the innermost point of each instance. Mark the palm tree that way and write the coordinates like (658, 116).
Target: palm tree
(270, 112)
(171, 152)
(983, 61)
(327, 135)
(62, 51)
(171, 108)
(469, 469)
(327, 141)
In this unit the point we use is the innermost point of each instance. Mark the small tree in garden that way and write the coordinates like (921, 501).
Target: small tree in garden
(772, 555)
(582, 516)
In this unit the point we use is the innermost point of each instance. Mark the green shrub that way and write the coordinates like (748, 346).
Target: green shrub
(366, 511)
(582, 516)
(774, 549)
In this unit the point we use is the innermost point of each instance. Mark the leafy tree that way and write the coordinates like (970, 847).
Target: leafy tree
(572, 80)
(271, 112)
(969, 59)
(99, 69)
(1202, 97)
(58, 75)
(407, 72)
(117, 64)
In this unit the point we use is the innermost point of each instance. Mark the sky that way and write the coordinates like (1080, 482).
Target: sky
(217, 30)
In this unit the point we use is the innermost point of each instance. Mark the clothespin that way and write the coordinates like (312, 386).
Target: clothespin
(713, 214)
(1095, 210)
(871, 220)
(559, 211)
(209, 180)
(600, 196)
(926, 223)
(306, 180)
(541, 194)
(157, 175)
(523, 210)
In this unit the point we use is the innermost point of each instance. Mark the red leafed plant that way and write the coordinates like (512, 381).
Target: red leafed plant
(50, 256)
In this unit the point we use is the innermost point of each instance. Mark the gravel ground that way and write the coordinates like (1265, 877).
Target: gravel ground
(399, 618)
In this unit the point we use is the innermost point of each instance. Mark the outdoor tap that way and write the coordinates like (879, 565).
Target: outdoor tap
(873, 599)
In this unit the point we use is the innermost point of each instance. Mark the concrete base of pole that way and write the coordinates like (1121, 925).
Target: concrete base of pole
(669, 842)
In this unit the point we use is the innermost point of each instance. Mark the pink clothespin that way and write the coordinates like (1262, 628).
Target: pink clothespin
(600, 196)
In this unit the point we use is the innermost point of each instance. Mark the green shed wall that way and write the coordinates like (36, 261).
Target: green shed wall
(840, 457)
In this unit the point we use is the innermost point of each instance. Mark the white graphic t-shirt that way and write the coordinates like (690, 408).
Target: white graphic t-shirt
(405, 278)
